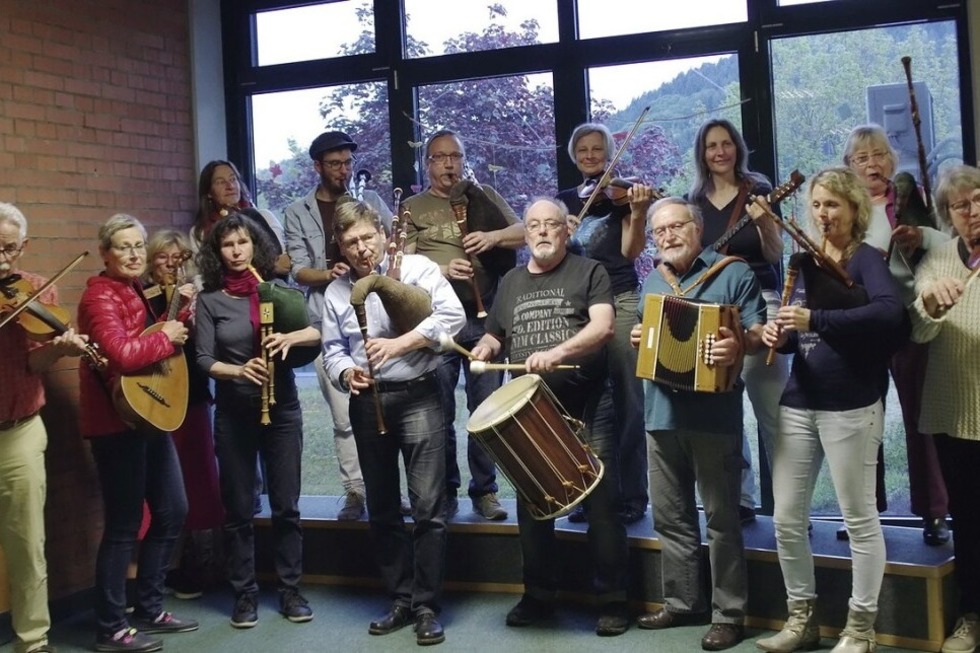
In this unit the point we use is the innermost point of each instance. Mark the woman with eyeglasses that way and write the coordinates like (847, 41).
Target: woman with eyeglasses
(868, 152)
(614, 235)
(722, 186)
(946, 314)
(832, 408)
(134, 465)
(221, 192)
(171, 272)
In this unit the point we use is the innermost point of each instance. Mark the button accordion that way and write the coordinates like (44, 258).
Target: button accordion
(675, 344)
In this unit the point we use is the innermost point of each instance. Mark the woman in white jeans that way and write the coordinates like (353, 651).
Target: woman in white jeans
(832, 408)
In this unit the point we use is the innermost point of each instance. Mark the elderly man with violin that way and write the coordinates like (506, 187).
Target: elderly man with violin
(26, 355)
(471, 232)
(611, 231)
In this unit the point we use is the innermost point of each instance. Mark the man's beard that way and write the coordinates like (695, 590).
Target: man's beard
(337, 188)
(545, 252)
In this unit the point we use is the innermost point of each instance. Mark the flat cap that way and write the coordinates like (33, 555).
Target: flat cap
(328, 141)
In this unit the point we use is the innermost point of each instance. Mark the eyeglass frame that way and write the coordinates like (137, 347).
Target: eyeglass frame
(674, 228)
(441, 157)
(965, 207)
(863, 160)
(550, 225)
(132, 250)
(333, 166)
(11, 252)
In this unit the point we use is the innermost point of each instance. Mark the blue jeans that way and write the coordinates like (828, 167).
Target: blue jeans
(412, 564)
(478, 388)
(239, 440)
(620, 412)
(134, 467)
(606, 534)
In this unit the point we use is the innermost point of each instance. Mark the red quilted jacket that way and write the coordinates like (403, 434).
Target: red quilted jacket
(113, 314)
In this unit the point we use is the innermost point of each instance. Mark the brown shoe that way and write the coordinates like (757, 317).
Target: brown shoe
(663, 618)
(722, 636)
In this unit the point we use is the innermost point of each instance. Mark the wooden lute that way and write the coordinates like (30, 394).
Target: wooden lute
(157, 394)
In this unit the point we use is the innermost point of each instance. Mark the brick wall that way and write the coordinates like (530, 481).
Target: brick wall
(95, 119)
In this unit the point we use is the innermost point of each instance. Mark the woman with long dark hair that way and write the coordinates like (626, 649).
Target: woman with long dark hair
(229, 349)
(723, 185)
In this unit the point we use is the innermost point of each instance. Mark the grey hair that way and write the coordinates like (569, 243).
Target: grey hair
(114, 225)
(584, 130)
(956, 179)
(561, 211)
(10, 214)
(871, 136)
(692, 209)
(350, 214)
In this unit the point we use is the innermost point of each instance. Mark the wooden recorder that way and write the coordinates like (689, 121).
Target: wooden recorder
(675, 344)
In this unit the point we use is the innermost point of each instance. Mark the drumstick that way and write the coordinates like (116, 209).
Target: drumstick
(446, 342)
(479, 367)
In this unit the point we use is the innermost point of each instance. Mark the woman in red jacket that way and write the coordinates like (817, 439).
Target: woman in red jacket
(133, 466)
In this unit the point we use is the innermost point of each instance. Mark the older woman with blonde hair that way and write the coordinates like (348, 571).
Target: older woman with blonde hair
(945, 314)
(832, 408)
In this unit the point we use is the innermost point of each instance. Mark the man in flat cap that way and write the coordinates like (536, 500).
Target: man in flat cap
(317, 261)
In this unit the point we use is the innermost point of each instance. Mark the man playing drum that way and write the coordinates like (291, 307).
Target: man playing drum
(559, 310)
(696, 437)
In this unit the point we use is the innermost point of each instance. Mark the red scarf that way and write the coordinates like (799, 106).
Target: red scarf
(244, 284)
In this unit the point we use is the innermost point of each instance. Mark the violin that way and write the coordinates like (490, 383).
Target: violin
(40, 322)
(616, 189)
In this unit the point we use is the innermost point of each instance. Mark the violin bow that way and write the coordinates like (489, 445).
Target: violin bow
(37, 293)
(604, 179)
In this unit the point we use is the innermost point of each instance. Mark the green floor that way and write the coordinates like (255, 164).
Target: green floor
(473, 622)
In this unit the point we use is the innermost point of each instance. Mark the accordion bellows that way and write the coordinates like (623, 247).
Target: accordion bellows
(675, 344)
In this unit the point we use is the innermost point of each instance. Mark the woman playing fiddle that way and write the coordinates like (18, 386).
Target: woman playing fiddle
(832, 408)
(723, 184)
(168, 273)
(869, 154)
(614, 236)
(221, 192)
(946, 314)
(229, 350)
(135, 466)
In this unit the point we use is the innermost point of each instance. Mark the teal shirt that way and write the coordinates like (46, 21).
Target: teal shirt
(665, 408)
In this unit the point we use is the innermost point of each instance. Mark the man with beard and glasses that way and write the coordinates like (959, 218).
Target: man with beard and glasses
(317, 260)
(695, 438)
(559, 310)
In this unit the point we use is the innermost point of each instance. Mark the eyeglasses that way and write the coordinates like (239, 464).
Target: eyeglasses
(132, 250)
(10, 251)
(176, 259)
(674, 228)
(337, 164)
(965, 207)
(354, 241)
(862, 160)
(550, 225)
(441, 157)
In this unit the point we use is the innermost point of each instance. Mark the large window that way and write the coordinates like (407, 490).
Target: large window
(514, 78)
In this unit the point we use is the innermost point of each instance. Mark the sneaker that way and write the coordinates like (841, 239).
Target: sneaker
(246, 612)
(44, 648)
(406, 507)
(578, 516)
(293, 606)
(128, 639)
(183, 585)
(529, 610)
(488, 507)
(964, 637)
(452, 506)
(353, 508)
(165, 622)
